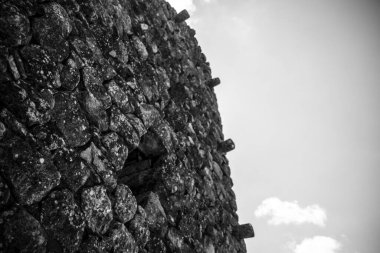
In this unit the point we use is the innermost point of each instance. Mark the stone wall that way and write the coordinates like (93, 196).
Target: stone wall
(110, 135)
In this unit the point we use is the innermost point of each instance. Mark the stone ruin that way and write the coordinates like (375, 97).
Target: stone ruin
(110, 135)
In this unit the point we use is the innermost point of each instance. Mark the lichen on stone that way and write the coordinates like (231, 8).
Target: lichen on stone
(97, 209)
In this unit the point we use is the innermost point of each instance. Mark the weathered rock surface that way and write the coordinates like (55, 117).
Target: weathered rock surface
(110, 135)
(22, 232)
(31, 174)
(97, 209)
(63, 220)
(125, 203)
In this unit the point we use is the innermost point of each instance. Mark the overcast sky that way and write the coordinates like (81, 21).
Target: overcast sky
(300, 96)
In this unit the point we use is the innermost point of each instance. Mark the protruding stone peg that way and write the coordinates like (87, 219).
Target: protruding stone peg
(182, 16)
(213, 82)
(243, 231)
(226, 146)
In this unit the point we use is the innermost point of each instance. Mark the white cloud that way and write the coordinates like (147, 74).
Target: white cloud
(316, 244)
(189, 5)
(179, 5)
(284, 212)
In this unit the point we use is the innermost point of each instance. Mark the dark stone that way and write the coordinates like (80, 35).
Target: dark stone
(28, 7)
(120, 239)
(5, 193)
(14, 26)
(226, 146)
(97, 112)
(70, 5)
(120, 52)
(74, 126)
(13, 67)
(188, 226)
(156, 245)
(94, 244)
(213, 82)
(123, 24)
(31, 107)
(119, 97)
(47, 135)
(69, 75)
(137, 124)
(40, 67)
(64, 102)
(106, 71)
(148, 114)
(125, 203)
(33, 115)
(156, 217)
(63, 220)
(166, 135)
(141, 49)
(73, 170)
(19, 64)
(119, 123)
(53, 27)
(44, 100)
(175, 240)
(23, 233)
(139, 228)
(71, 120)
(151, 145)
(243, 231)
(32, 174)
(94, 85)
(94, 157)
(59, 52)
(12, 94)
(218, 171)
(97, 209)
(83, 51)
(10, 120)
(117, 151)
(182, 16)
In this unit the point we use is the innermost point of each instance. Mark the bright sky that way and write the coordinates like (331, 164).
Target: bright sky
(300, 96)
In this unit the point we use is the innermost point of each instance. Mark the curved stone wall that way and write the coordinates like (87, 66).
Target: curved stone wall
(110, 135)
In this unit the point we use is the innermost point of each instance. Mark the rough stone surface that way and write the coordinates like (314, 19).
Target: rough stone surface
(14, 26)
(74, 126)
(148, 114)
(32, 174)
(156, 217)
(139, 228)
(69, 75)
(125, 203)
(73, 170)
(5, 193)
(120, 123)
(40, 66)
(53, 27)
(116, 149)
(94, 158)
(110, 135)
(97, 209)
(120, 239)
(243, 231)
(63, 220)
(22, 233)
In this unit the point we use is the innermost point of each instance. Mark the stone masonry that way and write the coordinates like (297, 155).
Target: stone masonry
(110, 135)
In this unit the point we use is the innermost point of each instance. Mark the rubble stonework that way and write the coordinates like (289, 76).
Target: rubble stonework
(110, 135)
